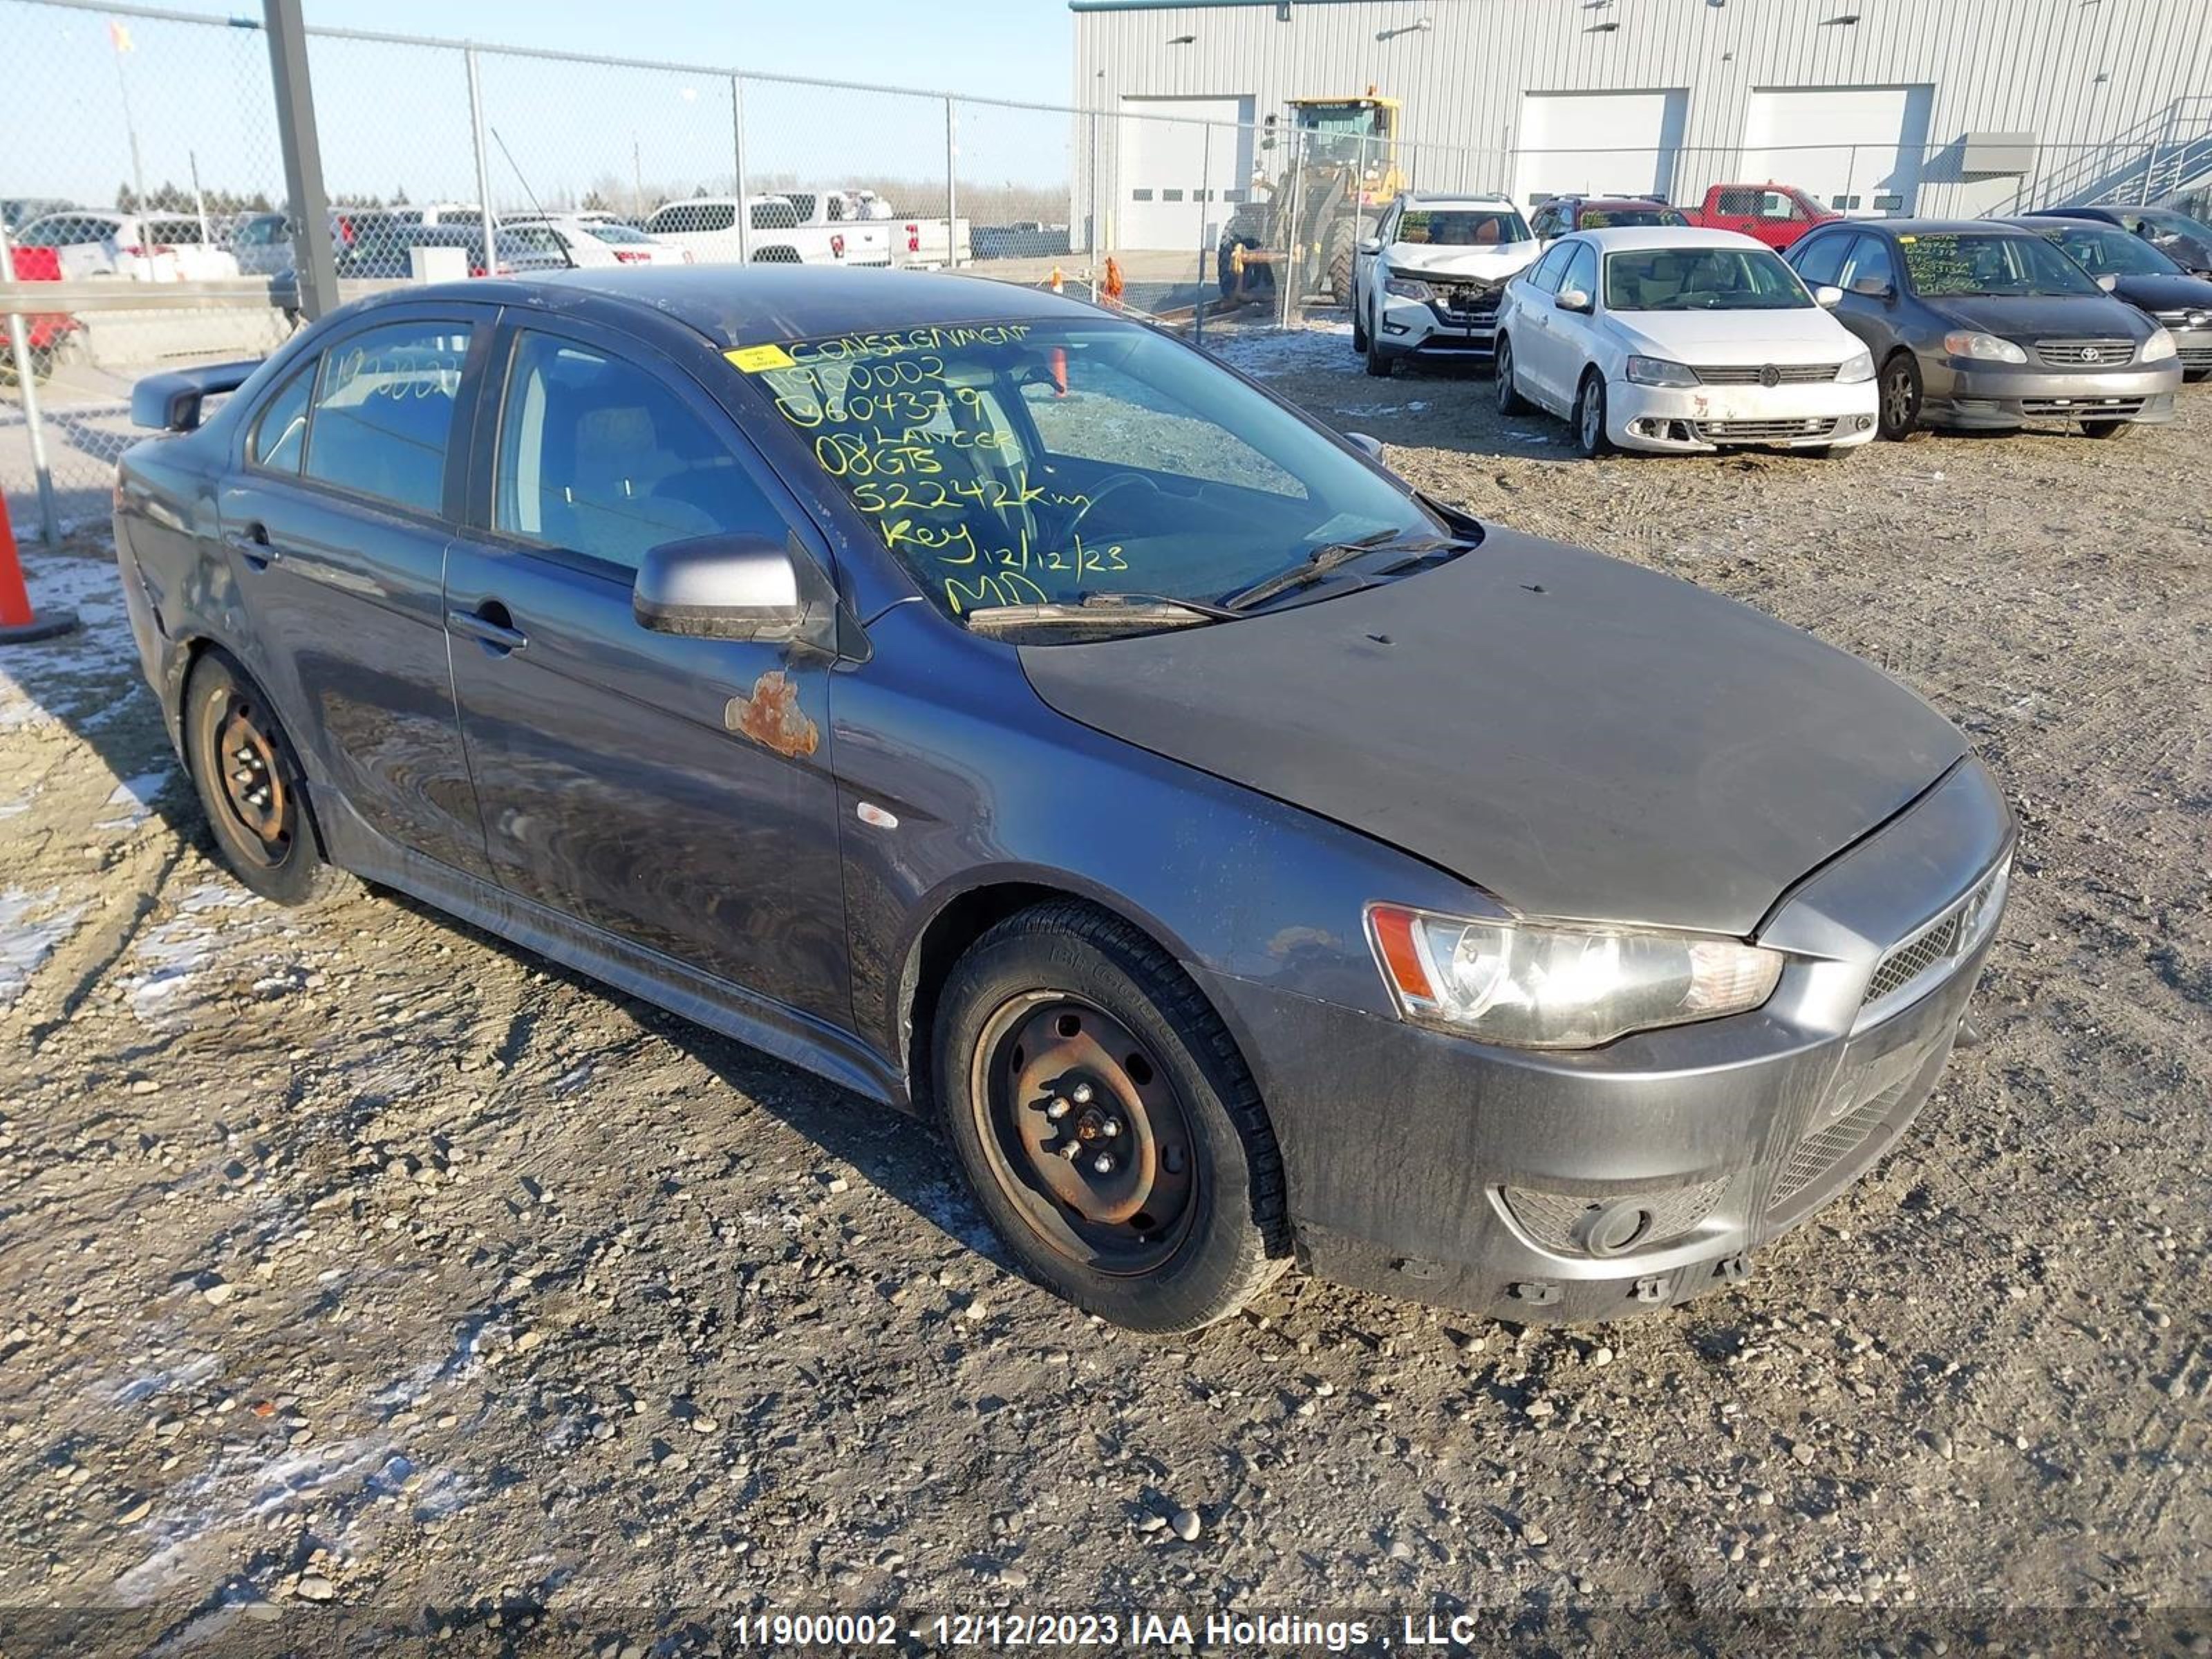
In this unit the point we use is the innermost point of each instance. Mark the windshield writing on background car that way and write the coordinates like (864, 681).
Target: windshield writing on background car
(1036, 463)
(1701, 279)
(1955, 264)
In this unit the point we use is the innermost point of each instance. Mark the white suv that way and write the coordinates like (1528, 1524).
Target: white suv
(1428, 281)
(161, 248)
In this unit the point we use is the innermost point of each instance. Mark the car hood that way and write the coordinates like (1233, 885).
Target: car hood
(1579, 737)
(1492, 265)
(2158, 292)
(1808, 335)
(2034, 316)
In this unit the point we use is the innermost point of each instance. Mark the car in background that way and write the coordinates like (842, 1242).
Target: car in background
(1426, 284)
(1582, 930)
(2128, 266)
(1022, 239)
(2187, 241)
(262, 242)
(1777, 214)
(1677, 340)
(1562, 216)
(16, 211)
(520, 248)
(596, 243)
(1983, 326)
(785, 230)
(161, 247)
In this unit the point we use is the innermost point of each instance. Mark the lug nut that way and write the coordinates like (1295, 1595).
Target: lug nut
(1110, 1127)
(1082, 1094)
(1057, 1110)
(1103, 1164)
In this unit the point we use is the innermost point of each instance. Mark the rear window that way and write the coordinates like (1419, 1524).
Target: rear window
(1616, 218)
(620, 235)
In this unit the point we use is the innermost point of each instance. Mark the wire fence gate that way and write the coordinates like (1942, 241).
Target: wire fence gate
(152, 221)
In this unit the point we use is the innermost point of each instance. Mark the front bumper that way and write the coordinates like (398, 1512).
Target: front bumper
(1425, 328)
(2194, 346)
(1829, 413)
(2000, 398)
(1425, 1165)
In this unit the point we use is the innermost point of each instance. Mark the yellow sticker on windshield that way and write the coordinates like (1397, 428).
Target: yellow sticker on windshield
(754, 360)
(1908, 241)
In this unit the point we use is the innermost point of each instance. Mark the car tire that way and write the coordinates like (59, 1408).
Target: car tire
(1510, 400)
(2106, 431)
(1380, 363)
(1899, 395)
(1591, 440)
(1358, 325)
(1065, 1006)
(252, 789)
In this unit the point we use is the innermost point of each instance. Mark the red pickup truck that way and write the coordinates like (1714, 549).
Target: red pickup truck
(1777, 214)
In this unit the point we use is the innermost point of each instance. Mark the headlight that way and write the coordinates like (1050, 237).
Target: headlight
(1984, 348)
(1657, 371)
(1406, 287)
(1856, 370)
(2158, 348)
(1559, 986)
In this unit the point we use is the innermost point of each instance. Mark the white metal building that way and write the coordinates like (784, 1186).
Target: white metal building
(1926, 106)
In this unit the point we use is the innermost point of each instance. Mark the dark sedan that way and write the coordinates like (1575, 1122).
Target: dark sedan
(2145, 278)
(1009, 713)
(1983, 326)
(2186, 241)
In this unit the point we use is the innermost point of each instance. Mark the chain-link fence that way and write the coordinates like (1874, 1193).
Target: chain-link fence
(145, 151)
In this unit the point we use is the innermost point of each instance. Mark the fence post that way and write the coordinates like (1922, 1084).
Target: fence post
(952, 182)
(1204, 187)
(484, 163)
(27, 386)
(1090, 231)
(737, 160)
(314, 257)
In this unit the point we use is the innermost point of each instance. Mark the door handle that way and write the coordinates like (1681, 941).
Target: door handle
(253, 544)
(490, 625)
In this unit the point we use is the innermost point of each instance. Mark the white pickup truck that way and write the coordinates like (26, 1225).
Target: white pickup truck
(810, 227)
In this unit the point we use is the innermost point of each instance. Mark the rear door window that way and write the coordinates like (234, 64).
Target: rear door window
(382, 419)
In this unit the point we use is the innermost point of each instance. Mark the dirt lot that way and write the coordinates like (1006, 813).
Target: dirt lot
(355, 1261)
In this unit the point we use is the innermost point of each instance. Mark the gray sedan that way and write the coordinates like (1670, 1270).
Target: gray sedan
(1983, 326)
(1011, 714)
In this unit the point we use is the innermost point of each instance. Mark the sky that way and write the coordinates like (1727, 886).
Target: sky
(395, 117)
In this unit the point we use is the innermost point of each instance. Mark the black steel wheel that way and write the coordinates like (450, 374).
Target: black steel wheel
(251, 787)
(1107, 1125)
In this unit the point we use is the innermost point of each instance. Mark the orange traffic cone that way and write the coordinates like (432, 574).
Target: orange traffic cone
(1112, 288)
(18, 623)
(1057, 281)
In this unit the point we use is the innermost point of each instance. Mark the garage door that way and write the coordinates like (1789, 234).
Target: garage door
(1871, 142)
(1598, 142)
(1179, 177)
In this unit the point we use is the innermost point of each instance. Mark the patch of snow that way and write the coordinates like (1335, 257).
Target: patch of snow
(135, 797)
(30, 929)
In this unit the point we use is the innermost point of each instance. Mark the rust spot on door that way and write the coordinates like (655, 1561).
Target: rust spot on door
(772, 718)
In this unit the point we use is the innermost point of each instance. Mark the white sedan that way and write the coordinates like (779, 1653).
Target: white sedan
(596, 241)
(1682, 341)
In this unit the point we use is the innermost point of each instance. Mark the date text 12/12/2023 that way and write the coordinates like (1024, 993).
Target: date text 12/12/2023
(881, 412)
(999, 1631)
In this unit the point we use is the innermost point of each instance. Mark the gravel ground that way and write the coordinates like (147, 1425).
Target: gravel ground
(359, 1266)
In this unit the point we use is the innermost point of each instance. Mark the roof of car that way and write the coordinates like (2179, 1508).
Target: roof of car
(754, 305)
(1933, 227)
(1456, 198)
(1618, 202)
(1627, 238)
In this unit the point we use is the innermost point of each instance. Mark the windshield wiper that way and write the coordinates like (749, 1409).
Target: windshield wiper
(1151, 610)
(1323, 560)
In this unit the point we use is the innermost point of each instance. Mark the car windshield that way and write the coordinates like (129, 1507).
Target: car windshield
(1701, 279)
(1615, 218)
(2165, 221)
(2099, 251)
(1462, 227)
(1055, 463)
(1959, 264)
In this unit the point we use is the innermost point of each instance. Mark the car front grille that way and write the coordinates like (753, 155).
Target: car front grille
(1466, 300)
(1763, 432)
(2196, 356)
(1927, 953)
(1756, 373)
(2080, 408)
(1825, 1148)
(2085, 353)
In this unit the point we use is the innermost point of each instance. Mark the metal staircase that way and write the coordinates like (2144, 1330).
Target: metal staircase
(2157, 158)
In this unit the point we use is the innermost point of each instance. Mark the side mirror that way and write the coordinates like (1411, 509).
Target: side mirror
(1367, 444)
(1827, 296)
(1372, 244)
(1573, 299)
(1873, 288)
(2108, 282)
(735, 587)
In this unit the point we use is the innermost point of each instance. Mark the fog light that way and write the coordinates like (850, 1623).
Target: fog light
(1397, 328)
(1862, 423)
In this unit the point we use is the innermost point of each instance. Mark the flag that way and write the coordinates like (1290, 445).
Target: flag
(119, 34)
